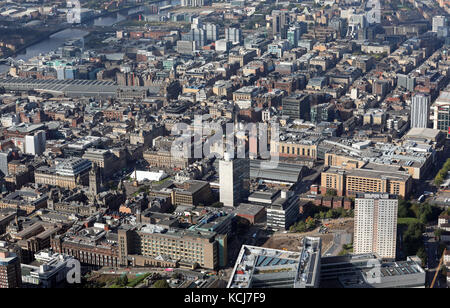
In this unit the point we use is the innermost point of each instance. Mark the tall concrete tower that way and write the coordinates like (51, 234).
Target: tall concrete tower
(234, 175)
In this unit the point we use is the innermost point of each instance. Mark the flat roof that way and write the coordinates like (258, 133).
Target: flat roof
(259, 267)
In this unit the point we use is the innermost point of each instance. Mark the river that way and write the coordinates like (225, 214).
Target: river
(58, 39)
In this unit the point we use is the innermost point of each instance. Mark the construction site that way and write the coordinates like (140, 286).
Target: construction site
(327, 233)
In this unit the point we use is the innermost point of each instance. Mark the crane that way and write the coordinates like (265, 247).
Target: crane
(437, 269)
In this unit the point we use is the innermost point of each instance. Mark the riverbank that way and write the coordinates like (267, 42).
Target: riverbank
(39, 39)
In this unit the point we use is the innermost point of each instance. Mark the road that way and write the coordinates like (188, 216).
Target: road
(340, 238)
(431, 247)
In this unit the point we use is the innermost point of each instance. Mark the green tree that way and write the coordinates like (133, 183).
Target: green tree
(329, 214)
(122, 280)
(412, 238)
(331, 192)
(422, 254)
(161, 284)
(403, 208)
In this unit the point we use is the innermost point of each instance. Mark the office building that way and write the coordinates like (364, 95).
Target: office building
(49, 270)
(35, 143)
(280, 21)
(369, 271)
(234, 177)
(233, 35)
(212, 32)
(223, 45)
(154, 245)
(283, 212)
(68, 173)
(196, 35)
(10, 274)
(297, 106)
(406, 81)
(350, 182)
(92, 246)
(5, 158)
(186, 47)
(376, 225)
(293, 36)
(439, 22)
(420, 110)
(195, 3)
(440, 113)
(258, 267)
(104, 159)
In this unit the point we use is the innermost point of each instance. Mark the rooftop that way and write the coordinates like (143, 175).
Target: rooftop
(258, 267)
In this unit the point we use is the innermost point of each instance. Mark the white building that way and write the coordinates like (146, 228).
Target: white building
(420, 110)
(233, 35)
(9, 120)
(233, 178)
(194, 3)
(440, 112)
(140, 175)
(49, 272)
(35, 143)
(223, 45)
(438, 22)
(376, 225)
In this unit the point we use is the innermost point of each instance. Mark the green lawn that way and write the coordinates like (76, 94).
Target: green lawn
(346, 249)
(406, 220)
(132, 283)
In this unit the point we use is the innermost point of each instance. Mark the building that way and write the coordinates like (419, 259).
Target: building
(406, 81)
(212, 32)
(49, 270)
(234, 175)
(440, 113)
(252, 212)
(186, 47)
(420, 110)
(258, 267)
(104, 159)
(195, 3)
(24, 201)
(284, 173)
(5, 158)
(283, 212)
(369, 271)
(191, 192)
(33, 238)
(376, 225)
(223, 45)
(233, 35)
(94, 181)
(153, 245)
(78, 15)
(68, 173)
(297, 106)
(10, 274)
(350, 182)
(280, 21)
(35, 143)
(293, 147)
(92, 246)
(196, 35)
(439, 22)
